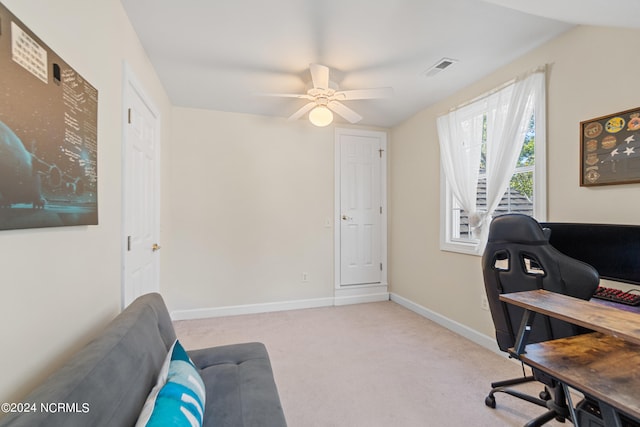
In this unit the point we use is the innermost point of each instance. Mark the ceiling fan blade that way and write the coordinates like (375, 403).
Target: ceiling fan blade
(344, 111)
(320, 76)
(302, 111)
(287, 95)
(348, 95)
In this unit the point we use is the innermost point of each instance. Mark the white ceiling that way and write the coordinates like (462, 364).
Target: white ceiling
(219, 54)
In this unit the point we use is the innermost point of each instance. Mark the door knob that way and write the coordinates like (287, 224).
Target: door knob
(346, 218)
(155, 247)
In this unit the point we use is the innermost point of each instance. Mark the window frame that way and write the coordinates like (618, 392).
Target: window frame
(447, 200)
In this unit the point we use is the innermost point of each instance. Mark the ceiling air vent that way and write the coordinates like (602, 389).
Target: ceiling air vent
(441, 65)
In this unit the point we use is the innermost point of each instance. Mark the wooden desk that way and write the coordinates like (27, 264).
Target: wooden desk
(618, 305)
(598, 317)
(604, 365)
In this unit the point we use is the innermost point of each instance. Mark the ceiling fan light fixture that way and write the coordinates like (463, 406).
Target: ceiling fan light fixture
(320, 116)
(324, 96)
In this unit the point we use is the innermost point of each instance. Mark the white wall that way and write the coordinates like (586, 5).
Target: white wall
(61, 285)
(592, 74)
(250, 196)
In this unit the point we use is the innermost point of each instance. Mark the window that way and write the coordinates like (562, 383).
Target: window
(474, 128)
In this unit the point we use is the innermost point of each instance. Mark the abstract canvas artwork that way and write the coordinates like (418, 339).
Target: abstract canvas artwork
(48, 135)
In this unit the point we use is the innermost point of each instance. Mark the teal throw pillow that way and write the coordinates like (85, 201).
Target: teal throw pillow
(180, 401)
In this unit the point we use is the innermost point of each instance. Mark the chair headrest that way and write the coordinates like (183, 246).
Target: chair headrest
(517, 228)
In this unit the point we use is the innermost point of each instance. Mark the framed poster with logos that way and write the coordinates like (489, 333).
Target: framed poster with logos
(610, 149)
(48, 135)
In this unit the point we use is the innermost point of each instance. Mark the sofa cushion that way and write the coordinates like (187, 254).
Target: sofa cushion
(241, 391)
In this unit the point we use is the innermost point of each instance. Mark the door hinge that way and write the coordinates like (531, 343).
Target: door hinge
(380, 266)
(128, 243)
(380, 210)
(129, 116)
(380, 151)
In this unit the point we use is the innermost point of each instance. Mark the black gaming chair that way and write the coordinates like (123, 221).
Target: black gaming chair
(518, 257)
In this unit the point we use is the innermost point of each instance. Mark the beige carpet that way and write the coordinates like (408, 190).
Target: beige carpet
(372, 365)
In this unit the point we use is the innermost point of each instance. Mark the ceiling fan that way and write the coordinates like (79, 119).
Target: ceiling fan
(324, 97)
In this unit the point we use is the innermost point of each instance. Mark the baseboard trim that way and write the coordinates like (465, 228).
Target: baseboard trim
(235, 310)
(463, 330)
(361, 299)
(353, 295)
(359, 294)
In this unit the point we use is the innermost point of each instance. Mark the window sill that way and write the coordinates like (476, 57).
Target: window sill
(463, 248)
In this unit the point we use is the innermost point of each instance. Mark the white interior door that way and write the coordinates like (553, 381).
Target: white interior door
(361, 207)
(141, 189)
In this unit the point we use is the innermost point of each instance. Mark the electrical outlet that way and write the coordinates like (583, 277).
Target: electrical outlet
(484, 303)
(305, 277)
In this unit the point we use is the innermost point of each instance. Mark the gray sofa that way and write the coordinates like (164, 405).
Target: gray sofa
(107, 382)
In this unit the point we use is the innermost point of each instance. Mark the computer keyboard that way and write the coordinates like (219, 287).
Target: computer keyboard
(617, 295)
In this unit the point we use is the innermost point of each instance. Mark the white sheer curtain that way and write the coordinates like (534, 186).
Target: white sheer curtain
(460, 134)
(507, 125)
(508, 112)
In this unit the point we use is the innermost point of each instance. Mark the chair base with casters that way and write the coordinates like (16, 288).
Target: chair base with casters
(504, 387)
(557, 407)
